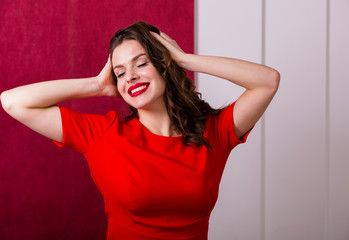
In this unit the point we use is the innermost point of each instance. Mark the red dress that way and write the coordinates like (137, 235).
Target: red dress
(154, 187)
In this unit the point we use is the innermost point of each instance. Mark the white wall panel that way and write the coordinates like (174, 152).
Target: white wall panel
(295, 123)
(299, 188)
(233, 29)
(339, 120)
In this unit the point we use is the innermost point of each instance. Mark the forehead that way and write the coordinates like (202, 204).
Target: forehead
(126, 51)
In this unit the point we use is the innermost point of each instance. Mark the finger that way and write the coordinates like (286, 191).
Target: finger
(108, 64)
(162, 37)
(167, 41)
(168, 38)
(162, 40)
(158, 37)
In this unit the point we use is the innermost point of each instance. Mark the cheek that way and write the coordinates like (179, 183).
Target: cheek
(162, 84)
(121, 87)
(159, 79)
(123, 92)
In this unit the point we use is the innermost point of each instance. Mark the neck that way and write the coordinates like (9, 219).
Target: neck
(157, 122)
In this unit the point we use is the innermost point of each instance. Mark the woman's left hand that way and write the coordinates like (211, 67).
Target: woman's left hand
(176, 52)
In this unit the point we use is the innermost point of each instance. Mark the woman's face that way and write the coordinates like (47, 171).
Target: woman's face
(138, 81)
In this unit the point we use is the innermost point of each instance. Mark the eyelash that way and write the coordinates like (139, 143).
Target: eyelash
(143, 64)
(140, 65)
(120, 75)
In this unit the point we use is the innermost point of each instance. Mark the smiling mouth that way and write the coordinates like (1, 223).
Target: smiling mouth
(138, 89)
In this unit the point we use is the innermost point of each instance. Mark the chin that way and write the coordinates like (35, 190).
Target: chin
(146, 102)
(137, 105)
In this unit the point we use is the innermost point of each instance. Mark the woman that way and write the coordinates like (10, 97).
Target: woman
(158, 171)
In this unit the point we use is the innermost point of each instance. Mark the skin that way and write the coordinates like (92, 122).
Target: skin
(34, 104)
(260, 82)
(131, 65)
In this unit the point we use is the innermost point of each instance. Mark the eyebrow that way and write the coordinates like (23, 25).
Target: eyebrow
(133, 59)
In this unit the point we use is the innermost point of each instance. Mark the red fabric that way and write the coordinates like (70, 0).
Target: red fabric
(45, 192)
(154, 187)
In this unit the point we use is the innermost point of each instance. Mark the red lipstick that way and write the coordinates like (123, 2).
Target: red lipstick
(138, 89)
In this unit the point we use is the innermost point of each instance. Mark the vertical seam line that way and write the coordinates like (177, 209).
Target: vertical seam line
(327, 122)
(262, 185)
(196, 33)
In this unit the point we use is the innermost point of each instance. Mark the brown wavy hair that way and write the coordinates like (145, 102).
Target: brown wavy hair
(187, 111)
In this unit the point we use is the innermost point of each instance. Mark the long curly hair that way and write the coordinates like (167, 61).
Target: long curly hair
(187, 111)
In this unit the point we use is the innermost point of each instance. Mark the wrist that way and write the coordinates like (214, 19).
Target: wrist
(98, 86)
(187, 62)
(106, 86)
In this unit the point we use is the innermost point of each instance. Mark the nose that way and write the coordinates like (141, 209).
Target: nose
(131, 75)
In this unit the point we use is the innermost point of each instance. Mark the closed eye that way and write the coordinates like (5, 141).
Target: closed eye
(142, 64)
(120, 75)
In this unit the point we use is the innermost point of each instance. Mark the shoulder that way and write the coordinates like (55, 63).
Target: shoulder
(82, 130)
(75, 116)
(223, 116)
(220, 128)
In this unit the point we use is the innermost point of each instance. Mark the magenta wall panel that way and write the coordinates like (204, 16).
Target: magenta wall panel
(47, 192)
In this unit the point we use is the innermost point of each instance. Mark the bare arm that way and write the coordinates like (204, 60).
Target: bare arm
(260, 82)
(34, 104)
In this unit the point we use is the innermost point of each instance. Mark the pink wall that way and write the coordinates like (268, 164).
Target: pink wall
(46, 192)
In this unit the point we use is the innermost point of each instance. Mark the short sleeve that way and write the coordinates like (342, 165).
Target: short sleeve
(82, 131)
(223, 126)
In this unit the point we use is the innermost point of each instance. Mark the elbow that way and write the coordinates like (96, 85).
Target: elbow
(273, 80)
(5, 103)
(8, 102)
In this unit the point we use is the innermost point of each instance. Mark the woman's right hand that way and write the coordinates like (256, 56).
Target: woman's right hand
(34, 105)
(107, 81)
